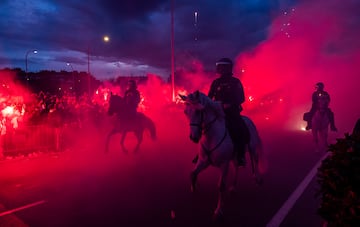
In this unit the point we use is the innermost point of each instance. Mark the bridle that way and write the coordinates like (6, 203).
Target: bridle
(204, 128)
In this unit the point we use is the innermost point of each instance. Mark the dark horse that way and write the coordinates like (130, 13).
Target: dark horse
(125, 123)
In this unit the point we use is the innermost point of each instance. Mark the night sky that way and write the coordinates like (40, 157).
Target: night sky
(139, 31)
(281, 49)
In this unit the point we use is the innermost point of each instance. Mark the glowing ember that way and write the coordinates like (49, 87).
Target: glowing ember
(8, 111)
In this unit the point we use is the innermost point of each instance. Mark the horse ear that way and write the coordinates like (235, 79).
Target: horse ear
(197, 94)
(183, 97)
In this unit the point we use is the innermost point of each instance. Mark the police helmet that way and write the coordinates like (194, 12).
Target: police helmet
(224, 66)
(132, 84)
(319, 85)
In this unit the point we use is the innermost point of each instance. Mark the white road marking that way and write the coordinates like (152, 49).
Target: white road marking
(287, 206)
(21, 208)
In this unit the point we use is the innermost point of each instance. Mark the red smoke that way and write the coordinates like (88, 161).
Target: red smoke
(315, 41)
(320, 44)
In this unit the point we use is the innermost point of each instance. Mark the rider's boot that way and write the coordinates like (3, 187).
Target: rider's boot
(333, 128)
(241, 159)
(240, 155)
(308, 126)
(332, 121)
(308, 117)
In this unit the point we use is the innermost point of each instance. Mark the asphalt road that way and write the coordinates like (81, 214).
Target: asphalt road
(83, 186)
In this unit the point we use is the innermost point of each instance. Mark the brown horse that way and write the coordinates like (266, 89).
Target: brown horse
(125, 123)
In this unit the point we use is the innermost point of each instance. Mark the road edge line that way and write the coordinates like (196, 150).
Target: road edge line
(290, 202)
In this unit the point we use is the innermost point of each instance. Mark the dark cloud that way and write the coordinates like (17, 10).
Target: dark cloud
(129, 10)
(139, 30)
(315, 41)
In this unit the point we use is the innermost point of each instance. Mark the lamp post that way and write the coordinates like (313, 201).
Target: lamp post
(88, 56)
(73, 76)
(172, 52)
(105, 39)
(26, 63)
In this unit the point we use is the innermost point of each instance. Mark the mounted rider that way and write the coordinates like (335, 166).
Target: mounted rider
(230, 92)
(132, 99)
(318, 97)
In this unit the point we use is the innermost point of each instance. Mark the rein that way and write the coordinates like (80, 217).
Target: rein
(209, 151)
(206, 128)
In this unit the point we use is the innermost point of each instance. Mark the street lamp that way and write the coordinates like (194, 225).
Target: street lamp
(73, 76)
(105, 39)
(172, 52)
(26, 62)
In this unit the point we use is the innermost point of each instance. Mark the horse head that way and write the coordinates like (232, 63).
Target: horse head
(116, 103)
(198, 108)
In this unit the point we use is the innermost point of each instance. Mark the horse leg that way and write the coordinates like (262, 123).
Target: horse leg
(218, 213)
(316, 139)
(108, 140)
(235, 180)
(139, 136)
(324, 138)
(123, 136)
(200, 166)
(254, 157)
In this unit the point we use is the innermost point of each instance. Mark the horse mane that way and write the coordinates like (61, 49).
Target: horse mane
(116, 103)
(207, 102)
(116, 97)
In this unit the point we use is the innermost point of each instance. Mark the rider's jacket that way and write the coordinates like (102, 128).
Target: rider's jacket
(132, 99)
(318, 96)
(228, 90)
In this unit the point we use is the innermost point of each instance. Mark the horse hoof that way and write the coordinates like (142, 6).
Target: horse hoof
(193, 179)
(218, 216)
(232, 190)
(259, 181)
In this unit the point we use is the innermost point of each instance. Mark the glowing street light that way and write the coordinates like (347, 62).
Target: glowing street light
(106, 38)
(172, 53)
(26, 62)
(69, 64)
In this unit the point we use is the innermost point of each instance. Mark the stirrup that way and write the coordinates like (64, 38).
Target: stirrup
(241, 161)
(195, 159)
(333, 128)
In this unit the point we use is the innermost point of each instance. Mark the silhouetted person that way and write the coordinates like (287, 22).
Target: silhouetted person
(229, 91)
(132, 99)
(320, 93)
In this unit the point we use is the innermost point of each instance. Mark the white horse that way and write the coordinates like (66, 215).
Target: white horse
(320, 125)
(207, 126)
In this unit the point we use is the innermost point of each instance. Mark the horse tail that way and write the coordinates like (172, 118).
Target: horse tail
(150, 125)
(256, 147)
